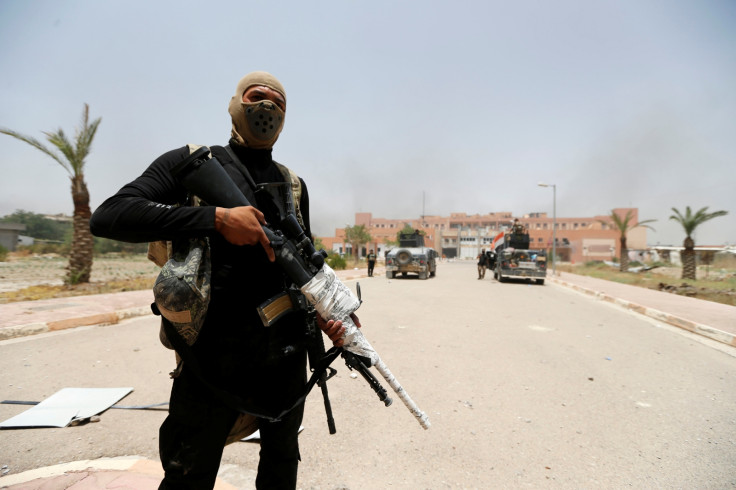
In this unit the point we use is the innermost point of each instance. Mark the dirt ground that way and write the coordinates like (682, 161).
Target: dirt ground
(702, 273)
(22, 272)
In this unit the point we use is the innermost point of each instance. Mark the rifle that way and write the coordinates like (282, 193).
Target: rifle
(203, 175)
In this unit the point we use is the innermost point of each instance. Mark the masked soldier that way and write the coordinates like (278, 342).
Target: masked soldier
(242, 367)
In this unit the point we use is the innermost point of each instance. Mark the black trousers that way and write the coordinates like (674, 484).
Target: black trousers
(371, 265)
(192, 438)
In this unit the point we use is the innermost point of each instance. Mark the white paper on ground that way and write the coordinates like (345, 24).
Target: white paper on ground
(66, 405)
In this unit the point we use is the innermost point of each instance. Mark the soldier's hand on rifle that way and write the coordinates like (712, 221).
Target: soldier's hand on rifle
(335, 330)
(242, 226)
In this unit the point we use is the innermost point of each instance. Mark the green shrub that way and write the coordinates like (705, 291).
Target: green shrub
(595, 263)
(73, 277)
(3, 254)
(39, 227)
(106, 246)
(336, 262)
(41, 247)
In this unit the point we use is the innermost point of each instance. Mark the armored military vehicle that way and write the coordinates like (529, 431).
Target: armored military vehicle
(515, 260)
(411, 256)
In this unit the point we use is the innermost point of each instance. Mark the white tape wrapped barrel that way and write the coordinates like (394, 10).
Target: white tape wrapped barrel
(333, 300)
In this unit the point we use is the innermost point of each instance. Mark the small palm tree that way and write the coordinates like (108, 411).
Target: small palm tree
(80, 260)
(623, 225)
(689, 222)
(357, 236)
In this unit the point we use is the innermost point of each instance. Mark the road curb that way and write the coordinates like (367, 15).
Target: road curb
(122, 463)
(110, 318)
(689, 325)
(143, 473)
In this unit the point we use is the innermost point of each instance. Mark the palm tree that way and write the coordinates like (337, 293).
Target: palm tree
(623, 225)
(80, 260)
(689, 222)
(357, 236)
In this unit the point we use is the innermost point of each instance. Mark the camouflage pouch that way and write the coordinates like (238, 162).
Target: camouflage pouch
(182, 288)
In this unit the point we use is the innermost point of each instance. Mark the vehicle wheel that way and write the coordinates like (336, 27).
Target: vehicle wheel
(540, 282)
(501, 278)
(403, 274)
(495, 275)
(404, 257)
(433, 273)
(389, 274)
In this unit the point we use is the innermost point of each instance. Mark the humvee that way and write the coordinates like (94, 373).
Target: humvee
(411, 256)
(515, 260)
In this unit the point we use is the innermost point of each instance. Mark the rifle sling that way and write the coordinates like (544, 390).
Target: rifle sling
(241, 167)
(234, 401)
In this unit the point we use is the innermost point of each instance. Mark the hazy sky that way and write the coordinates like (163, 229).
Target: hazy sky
(395, 108)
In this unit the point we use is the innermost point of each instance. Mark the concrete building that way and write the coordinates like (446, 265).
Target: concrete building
(9, 233)
(703, 254)
(463, 236)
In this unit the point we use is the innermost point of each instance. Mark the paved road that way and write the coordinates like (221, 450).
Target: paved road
(525, 386)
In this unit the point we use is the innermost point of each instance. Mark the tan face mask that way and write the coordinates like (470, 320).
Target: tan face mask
(256, 124)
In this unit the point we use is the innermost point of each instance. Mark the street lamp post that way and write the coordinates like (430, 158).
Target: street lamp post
(554, 225)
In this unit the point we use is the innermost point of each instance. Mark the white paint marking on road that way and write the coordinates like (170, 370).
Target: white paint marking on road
(538, 328)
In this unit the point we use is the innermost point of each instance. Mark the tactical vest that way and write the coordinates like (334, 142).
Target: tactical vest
(159, 252)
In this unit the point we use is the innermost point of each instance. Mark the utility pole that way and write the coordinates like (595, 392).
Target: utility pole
(422, 207)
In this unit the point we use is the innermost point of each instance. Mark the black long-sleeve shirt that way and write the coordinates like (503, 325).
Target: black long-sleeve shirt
(145, 209)
(149, 209)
